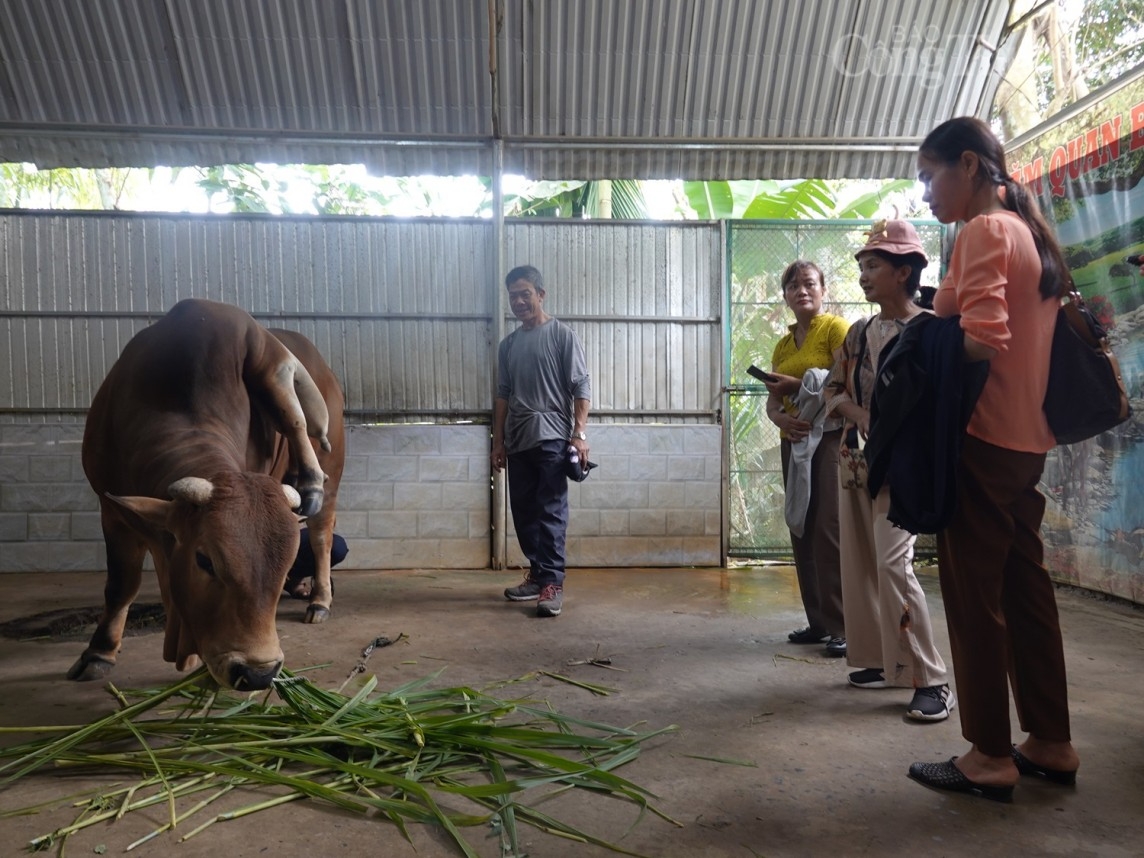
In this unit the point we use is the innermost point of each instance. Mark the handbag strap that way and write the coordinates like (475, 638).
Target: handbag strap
(1081, 319)
(858, 363)
(851, 439)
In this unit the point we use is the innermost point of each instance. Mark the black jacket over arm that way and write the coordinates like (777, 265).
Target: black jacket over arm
(924, 395)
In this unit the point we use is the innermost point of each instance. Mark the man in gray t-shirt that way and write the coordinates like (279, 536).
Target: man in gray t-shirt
(541, 408)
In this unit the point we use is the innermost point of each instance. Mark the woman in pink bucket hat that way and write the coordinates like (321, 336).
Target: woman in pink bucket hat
(889, 633)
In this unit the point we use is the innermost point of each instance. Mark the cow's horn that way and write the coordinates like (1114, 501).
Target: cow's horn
(194, 490)
(292, 496)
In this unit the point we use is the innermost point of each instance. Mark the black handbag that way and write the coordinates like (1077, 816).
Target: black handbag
(1086, 393)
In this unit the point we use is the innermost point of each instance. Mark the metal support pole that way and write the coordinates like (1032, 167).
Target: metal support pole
(499, 519)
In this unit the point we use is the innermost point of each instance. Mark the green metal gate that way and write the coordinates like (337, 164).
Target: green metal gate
(757, 253)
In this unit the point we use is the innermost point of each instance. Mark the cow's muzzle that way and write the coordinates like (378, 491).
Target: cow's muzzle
(245, 677)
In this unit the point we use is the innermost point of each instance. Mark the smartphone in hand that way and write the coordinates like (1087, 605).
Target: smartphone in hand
(762, 374)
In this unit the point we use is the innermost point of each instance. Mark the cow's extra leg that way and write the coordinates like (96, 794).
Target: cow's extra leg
(321, 531)
(125, 553)
(313, 405)
(296, 424)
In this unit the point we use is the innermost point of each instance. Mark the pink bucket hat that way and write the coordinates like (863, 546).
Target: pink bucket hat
(894, 236)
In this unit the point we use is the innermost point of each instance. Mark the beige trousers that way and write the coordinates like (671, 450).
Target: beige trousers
(887, 619)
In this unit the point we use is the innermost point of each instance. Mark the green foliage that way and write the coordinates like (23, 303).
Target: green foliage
(1109, 39)
(332, 194)
(243, 188)
(25, 186)
(579, 199)
(348, 190)
(811, 198)
(790, 200)
(872, 202)
(710, 200)
(547, 199)
(627, 200)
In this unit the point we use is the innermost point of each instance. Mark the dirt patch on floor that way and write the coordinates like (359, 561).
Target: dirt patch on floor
(68, 624)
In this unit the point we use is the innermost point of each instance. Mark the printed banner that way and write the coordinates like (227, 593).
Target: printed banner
(1086, 170)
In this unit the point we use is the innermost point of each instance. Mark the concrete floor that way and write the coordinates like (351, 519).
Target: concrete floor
(704, 649)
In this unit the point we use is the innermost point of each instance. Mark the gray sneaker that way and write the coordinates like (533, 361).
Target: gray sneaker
(525, 591)
(931, 704)
(551, 601)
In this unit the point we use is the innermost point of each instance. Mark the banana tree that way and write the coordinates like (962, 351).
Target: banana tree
(609, 198)
(791, 200)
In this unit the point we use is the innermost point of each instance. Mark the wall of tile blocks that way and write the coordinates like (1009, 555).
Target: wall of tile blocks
(412, 496)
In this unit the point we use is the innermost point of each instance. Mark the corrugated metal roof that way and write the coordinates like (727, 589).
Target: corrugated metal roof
(577, 88)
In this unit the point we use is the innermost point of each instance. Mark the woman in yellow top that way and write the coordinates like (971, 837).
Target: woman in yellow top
(1005, 278)
(811, 344)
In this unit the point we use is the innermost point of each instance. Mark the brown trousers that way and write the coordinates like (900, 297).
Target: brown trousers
(816, 556)
(1000, 604)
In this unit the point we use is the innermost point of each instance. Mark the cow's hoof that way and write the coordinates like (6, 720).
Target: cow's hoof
(311, 502)
(317, 614)
(90, 667)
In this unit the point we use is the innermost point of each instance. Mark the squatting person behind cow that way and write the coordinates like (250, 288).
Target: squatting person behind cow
(542, 401)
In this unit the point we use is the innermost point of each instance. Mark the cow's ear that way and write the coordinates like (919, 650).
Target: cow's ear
(151, 510)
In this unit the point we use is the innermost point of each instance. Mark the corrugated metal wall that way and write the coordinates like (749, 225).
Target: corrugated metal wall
(645, 299)
(404, 310)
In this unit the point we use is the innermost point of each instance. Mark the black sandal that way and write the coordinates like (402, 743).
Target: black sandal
(947, 776)
(1056, 776)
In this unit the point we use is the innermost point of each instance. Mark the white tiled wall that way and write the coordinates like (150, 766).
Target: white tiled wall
(411, 497)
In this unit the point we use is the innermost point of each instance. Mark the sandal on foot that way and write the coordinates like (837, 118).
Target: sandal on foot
(947, 776)
(1057, 776)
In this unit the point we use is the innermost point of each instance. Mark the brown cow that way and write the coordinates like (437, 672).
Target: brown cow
(211, 409)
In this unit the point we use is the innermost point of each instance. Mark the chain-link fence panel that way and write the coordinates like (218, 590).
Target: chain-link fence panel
(758, 318)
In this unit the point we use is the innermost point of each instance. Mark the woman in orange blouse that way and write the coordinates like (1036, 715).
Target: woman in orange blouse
(1005, 279)
(811, 344)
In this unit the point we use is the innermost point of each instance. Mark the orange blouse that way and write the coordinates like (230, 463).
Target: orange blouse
(993, 284)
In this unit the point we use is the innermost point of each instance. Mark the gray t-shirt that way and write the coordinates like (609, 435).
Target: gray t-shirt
(540, 373)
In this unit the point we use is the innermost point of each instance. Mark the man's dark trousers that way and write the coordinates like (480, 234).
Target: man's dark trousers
(538, 496)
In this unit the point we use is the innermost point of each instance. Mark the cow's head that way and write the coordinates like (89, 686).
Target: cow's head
(233, 539)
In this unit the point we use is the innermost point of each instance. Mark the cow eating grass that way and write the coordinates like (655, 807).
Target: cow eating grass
(207, 442)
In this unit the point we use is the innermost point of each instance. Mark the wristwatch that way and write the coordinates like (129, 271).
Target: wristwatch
(580, 435)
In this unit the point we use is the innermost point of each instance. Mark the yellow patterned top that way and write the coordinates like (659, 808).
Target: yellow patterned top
(817, 351)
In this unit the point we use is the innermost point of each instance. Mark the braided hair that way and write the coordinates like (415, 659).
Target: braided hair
(954, 137)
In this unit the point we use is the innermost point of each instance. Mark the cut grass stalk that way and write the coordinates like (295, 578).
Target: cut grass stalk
(602, 690)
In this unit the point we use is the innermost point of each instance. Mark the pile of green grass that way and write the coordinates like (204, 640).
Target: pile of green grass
(412, 754)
